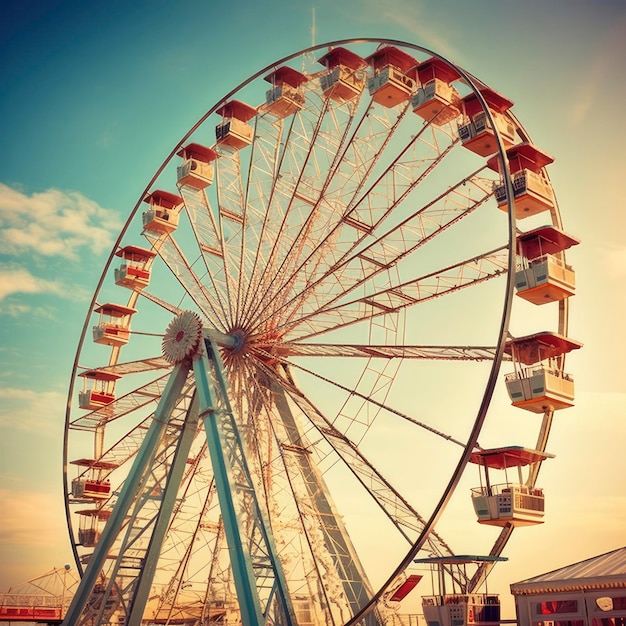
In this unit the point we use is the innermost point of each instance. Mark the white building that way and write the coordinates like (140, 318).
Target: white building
(588, 593)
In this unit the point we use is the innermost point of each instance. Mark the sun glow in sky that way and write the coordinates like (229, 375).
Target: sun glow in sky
(94, 96)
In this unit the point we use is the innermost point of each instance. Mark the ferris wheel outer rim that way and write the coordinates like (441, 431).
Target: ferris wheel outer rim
(473, 83)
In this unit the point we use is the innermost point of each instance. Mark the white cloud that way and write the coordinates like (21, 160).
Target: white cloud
(53, 223)
(20, 280)
(17, 310)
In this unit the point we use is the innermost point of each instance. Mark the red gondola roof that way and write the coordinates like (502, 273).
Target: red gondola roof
(436, 68)
(544, 240)
(529, 156)
(135, 253)
(100, 375)
(163, 198)
(534, 348)
(342, 56)
(286, 74)
(237, 109)
(95, 464)
(394, 56)
(496, 101)
(116, 310)
(460, 559)
(510, 456)
(99, 513)
(197, 151)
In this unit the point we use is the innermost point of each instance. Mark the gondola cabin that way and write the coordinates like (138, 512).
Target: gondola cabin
(98, 389)
(134, 270)
(234, 131)
(454, 607)
(91, 522)
(196, 169)
(477, 132)
(532, 192)
(436, 100)
(164, 211)
(345, 78)
(538, 383)
(544, 276)
(92, 482)
(286, 95)
(394, 78)
(113, 328)
(509, 502)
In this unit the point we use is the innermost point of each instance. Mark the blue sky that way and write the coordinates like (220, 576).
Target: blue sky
(95, 95)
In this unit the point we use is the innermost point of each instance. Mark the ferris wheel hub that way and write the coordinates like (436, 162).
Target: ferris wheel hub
(182, 338)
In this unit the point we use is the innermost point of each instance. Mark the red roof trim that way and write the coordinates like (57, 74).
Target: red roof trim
(496, 101)
(100, 375)
(436, 68)
(135, 253)
(117, 310)
(390, 55)
(198, 152)
(510, 456)
(237, 109)
(534, 348)
(163, 198)
(99, 513)
(528, 156)
(342, 56)
(95, 464)
(544, 240)
(287, 75)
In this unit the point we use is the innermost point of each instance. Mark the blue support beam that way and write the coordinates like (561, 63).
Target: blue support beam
(128, 493)
(142, 591)
(258, 573)
(245, 583)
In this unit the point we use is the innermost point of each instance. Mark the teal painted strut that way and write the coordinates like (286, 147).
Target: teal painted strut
(128, 493)
(144, 584)
(254, 559)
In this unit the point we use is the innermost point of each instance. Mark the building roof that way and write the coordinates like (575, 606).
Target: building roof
(606, 571)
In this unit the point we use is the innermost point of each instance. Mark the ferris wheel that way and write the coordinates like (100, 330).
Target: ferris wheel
(297, 339)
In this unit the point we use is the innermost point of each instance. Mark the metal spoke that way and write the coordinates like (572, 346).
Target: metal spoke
(462, 275)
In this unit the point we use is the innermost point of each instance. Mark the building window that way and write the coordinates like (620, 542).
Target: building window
(557, 606)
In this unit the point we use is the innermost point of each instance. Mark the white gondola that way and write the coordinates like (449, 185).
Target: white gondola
(394, 80)
(459, 609)
(98, 389)
(134, 270)
(538, 383)
(113, 328)
(509, 502)
(234, 131)
(543, 276)
(196, 170)
(532, 191)
(91, 523)
(476, 131)
(345, 78)
(437, 100)
(286, 96)
(92, 482)
(164, 211)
